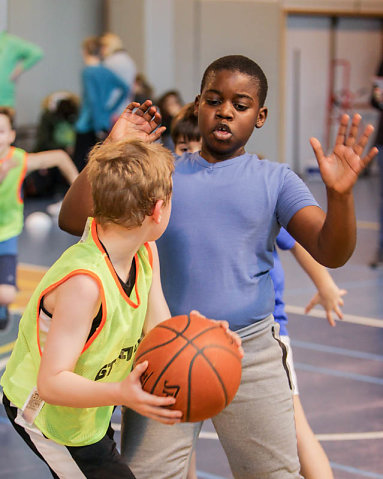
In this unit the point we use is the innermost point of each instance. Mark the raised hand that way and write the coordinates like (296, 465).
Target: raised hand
(341, 168)
(138, 121)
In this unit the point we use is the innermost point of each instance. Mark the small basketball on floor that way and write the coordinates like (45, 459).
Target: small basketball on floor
(38, 224)
(194, 360)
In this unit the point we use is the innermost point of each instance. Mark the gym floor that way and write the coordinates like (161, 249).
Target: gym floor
(340, 370)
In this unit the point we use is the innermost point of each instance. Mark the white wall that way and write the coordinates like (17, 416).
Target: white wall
(357, 43)
(58, 27)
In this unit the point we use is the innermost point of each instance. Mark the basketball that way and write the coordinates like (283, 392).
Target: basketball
(194, 360)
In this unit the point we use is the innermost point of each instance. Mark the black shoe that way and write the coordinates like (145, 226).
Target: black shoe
(4, 316)
(377, 261)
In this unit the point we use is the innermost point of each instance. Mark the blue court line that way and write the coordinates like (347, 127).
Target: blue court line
(341, 374)
(334, 350)
(353, 470)
(207, 475)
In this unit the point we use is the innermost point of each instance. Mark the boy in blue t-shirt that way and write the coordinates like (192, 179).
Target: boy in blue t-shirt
(216, 255)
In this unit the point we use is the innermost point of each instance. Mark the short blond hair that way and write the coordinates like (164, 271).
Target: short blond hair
(111, 42)
(127, 179)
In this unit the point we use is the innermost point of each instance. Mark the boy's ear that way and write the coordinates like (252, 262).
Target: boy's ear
(196, 104)
(157, 211)
(13, 136)
(261, 118)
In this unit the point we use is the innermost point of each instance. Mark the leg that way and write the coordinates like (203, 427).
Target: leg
(192, 472)
(96, 461)
(313, 459)
(157, 450)
(7, 286)
(257, 429)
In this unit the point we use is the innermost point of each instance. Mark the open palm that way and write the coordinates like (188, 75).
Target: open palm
(341, 168)
(138, 121)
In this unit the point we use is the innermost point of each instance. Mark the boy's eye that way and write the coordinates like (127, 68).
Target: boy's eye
(240, 107)
(184, 149)
(212, 101)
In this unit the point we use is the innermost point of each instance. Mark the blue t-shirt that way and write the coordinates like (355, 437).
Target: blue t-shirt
(217, 251)
(98, 83)
(285, 242)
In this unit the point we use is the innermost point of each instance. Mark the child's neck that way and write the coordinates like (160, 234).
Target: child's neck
(121, 245)
(214, 157)
(5, 152)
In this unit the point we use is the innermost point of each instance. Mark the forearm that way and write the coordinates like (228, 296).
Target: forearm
(316, 272)
(71, 390)
(65, 164)
(77, 205)
(52, 158)
(329, 238)
(337, 238)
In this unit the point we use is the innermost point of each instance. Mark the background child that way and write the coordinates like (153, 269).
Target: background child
(91, 307)
(228, 207)
(184, 131)
(97, 105)
(14, 165)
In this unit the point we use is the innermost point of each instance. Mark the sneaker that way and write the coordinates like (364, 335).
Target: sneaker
(54, 208)
(377, 261)
(4, 316)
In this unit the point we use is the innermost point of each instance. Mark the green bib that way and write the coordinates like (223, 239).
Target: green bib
(107, 355)
(11, 201)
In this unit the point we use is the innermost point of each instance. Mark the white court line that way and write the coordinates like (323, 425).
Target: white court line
(347, 318)
(353, 436)
(350, 436)
(368, 225)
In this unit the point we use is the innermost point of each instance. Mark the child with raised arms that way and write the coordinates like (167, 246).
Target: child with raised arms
(15, 164)
(216, 256)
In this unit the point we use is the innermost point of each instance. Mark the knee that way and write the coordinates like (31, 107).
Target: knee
(7, 294)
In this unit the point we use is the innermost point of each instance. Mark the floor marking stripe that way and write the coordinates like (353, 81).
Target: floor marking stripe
(340, 374)
(31, 267)
(350, 436)
(207, 475)
(7, 347)
(368, 225)
(347, 318)
(359, 472)
(335, 350)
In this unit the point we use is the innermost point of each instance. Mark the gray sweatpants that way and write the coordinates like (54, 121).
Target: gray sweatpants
(256, 430)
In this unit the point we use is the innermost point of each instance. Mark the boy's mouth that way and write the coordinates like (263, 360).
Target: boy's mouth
(222, 132)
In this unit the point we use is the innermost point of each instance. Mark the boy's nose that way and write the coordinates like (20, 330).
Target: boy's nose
(225, 111)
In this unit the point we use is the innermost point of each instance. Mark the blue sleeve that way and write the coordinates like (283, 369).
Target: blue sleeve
(90, 90)
(284, 240)
(293, 196)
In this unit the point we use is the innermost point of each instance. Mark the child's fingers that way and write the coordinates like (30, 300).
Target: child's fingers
(338, 312)
(156, 134)
(138, 370)
(353, 133)
(330, 319)
(342, 130)
(317, 147)
(370, 156)
(311, 304)
(363, 140)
